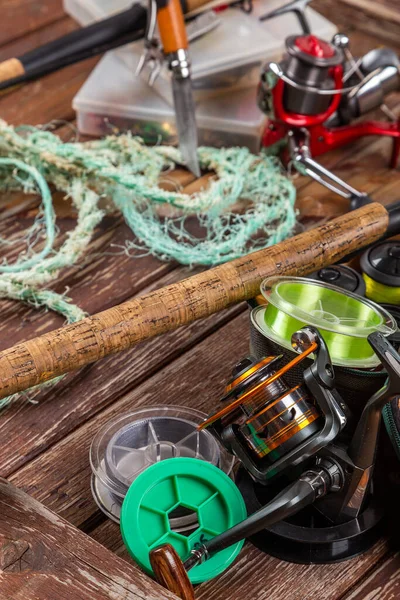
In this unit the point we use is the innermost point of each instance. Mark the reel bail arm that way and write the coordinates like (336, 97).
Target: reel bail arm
(300, 154)
(362, 448)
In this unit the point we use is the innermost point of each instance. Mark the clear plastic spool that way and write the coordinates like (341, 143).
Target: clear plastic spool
(130, 443)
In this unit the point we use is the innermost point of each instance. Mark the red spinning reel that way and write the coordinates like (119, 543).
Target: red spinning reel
(312, 96)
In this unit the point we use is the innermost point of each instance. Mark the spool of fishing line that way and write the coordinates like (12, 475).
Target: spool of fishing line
(341, 276)
(381, 272)
(130, 443)
(270, 415)
(354, 382)
(344, 319)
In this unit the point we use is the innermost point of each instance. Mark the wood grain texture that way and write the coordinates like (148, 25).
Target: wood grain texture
(44, 557)
(20, 17)
(369, 16)
(28, 429)
(163, 310)
(96, 393)
(170, 572)
(382, 584)
(50, 97)
(195, 378)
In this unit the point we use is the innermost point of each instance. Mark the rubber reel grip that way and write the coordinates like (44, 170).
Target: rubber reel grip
(170, 572)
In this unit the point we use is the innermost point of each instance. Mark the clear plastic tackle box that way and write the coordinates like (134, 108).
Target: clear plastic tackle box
(113, 100)
(226, 59)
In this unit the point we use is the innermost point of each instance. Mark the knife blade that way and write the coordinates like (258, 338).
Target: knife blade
(186, 122)
(171, 27)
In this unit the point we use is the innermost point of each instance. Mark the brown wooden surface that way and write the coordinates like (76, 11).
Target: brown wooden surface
(43, 556)
(46, 445)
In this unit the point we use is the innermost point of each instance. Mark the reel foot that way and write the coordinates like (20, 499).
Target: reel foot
(170, 572)
(308, 537)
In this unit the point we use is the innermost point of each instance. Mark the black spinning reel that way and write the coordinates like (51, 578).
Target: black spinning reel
(299, 437)
(270, 425)
(306, 480)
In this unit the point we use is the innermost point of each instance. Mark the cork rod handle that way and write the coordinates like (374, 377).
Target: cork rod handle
(118, 328)
(11, 68)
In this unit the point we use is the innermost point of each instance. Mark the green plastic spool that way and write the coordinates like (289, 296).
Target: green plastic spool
(176, 484)
(344, 319)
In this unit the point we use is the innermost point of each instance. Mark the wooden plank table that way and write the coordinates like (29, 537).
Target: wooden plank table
(54, 542)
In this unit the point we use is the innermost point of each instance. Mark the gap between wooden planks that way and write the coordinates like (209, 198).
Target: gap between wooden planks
(44, 557)
(384, 172)
(42, 461)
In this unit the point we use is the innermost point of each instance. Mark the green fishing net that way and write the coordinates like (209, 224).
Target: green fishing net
(248, 205)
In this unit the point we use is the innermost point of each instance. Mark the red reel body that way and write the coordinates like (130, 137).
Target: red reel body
(304, 93)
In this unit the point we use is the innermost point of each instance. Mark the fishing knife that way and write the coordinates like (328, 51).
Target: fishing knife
(172, 32)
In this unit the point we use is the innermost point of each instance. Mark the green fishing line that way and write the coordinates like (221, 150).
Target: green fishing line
(343, 319)
(379, 292)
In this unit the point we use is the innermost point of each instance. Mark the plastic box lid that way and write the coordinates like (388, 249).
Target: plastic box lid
(239, 39)
(112, 89)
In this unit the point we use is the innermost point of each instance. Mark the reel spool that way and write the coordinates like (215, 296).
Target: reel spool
(310, 64)
(272, 417)
(328, 469)
(164, 488)
(354, 381)
(381, 272)
(341, 276)
(130, 443)
(344, 319)
(266, 422)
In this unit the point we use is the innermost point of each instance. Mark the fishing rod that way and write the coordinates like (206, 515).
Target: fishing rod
(75, 345)
(121, 28)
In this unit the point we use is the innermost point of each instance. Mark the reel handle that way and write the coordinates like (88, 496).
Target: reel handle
(298, 8)
(170, 571)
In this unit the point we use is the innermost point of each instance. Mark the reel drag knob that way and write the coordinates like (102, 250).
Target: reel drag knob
(309, 64)
(170, 572)
(380, 266)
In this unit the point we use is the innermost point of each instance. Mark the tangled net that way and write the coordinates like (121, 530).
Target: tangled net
(127, 173)
(124, 170)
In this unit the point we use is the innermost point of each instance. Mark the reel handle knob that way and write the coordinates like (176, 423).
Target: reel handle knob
(170, 571)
